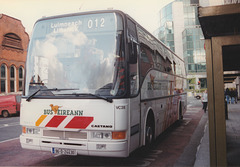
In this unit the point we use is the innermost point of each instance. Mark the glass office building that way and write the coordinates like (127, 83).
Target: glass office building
(180, 30)
(166, 33)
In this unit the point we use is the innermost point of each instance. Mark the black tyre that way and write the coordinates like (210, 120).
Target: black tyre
(5, 114)
(149, 137)
(180, 112)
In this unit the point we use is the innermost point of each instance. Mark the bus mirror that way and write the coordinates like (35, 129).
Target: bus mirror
(133, 53)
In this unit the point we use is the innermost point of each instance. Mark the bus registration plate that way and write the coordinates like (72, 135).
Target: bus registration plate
(64, 151)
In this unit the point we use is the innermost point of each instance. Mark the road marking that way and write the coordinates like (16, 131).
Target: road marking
(149, 159)
(7, 119)
(146, 163)
(57, 155)
(10, 124)
(9, 140)
(187, 123)
(156, 151)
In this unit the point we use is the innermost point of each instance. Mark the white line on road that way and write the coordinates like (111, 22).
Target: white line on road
(9, 140)
(57, 155)
(10, 124)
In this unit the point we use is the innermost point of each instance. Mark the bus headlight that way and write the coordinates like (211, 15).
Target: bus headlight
(109, 135)
(101, 135)
(31, 130)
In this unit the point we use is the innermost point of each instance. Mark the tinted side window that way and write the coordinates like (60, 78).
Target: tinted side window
(158, 62)
(146, 61)
(168, 66)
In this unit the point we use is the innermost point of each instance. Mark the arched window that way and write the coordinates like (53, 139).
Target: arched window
(20, 78)
(12, 41)
(12, 79)
(3, 78)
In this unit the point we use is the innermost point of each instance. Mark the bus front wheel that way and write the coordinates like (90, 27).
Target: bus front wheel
(149, 132)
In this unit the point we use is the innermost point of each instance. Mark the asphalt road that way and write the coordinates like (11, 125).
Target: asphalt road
(9, 128)
(177, 146)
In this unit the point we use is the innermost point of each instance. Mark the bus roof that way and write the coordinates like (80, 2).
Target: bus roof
(81, 13)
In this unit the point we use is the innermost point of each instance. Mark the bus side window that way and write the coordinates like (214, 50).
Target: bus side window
(178, 69)
(168, 66)
(174, 68)
(134, 72)
(133, 52)
(146, 61)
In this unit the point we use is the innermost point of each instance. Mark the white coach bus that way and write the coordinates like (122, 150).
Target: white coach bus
(98, 84)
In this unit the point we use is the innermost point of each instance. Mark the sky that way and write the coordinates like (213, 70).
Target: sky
(144, 12)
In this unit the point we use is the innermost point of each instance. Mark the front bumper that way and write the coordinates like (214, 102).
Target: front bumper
(82, 147)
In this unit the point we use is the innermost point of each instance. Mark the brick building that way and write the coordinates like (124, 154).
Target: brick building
(13, 51)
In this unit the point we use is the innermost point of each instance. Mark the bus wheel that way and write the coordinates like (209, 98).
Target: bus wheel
(5, 114)
(180, 112)
(149, 133)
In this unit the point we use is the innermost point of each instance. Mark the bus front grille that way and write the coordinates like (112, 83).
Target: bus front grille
(64, 134)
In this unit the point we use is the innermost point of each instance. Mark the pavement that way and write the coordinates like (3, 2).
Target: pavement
(232, 135)
(188, 156)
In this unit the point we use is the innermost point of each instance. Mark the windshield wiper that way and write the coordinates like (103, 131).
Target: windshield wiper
(94, 95)
(40, 90)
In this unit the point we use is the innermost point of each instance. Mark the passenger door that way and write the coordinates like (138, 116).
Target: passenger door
(135, 113)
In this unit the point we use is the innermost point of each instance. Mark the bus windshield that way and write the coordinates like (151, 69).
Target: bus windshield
(78, 54)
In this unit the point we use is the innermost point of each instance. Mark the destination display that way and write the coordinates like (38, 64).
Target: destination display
(88, 23)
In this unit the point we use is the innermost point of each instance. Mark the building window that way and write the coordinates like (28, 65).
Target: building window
(3, 78)
(12, 41)
(12, 79)
(20, 76)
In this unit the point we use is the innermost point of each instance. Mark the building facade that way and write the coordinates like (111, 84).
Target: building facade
(171, 26)
(180, 30)
(231, 82)
(13, 51)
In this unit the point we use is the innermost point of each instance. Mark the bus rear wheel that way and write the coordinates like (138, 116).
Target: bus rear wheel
(180, 112)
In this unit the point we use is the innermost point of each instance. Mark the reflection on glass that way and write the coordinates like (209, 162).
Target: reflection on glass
(80, 52)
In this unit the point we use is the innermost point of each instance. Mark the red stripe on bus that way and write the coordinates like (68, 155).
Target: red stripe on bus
(55, 121)
(79, 122)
